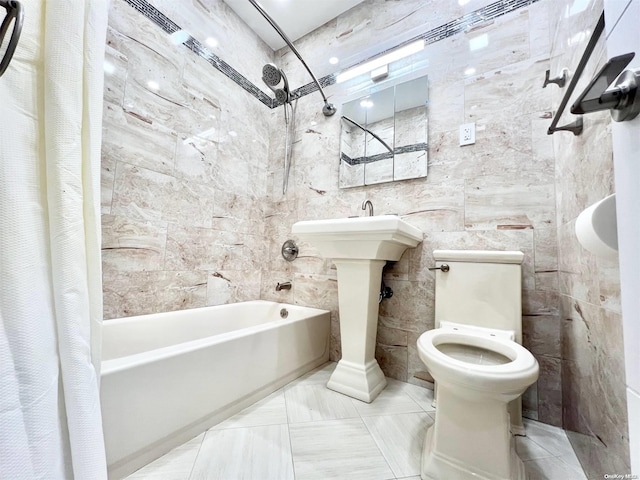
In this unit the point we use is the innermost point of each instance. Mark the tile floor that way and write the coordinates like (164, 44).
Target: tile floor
(305, 431)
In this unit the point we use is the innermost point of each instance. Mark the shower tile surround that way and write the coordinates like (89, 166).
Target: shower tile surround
(194, 215)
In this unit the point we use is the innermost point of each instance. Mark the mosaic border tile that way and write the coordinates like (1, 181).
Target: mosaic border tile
(459, 25)
(416, 147)
(169, 26)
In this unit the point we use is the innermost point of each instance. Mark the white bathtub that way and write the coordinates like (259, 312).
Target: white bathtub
(168, 377)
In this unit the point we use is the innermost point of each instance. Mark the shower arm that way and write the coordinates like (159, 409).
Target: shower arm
(368, 131)
(328, 109)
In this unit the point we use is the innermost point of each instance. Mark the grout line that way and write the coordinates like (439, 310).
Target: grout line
(193, 466)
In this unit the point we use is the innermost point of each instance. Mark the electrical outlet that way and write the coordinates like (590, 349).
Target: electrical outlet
(467, 134)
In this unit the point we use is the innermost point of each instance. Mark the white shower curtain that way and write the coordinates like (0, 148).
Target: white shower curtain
(50, 275)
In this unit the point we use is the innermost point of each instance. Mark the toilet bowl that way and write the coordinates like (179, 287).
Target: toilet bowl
(485, 363)
(477, 375)
(479, 367)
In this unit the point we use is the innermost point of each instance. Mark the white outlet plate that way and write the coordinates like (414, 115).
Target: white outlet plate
(467, 134)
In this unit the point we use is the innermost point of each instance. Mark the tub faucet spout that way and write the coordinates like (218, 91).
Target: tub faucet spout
(367, 203)
(283, 286)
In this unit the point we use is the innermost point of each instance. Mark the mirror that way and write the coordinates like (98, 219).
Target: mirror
(384, 135)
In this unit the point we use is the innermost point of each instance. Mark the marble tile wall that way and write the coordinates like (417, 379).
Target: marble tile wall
(592, 365)
(496, 194)
(184, 172)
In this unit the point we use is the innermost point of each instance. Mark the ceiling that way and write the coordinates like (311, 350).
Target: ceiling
(295, 17)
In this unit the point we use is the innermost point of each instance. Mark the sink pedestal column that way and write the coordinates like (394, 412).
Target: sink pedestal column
(358, 374)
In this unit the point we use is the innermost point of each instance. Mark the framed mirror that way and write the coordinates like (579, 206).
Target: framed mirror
(384, 135)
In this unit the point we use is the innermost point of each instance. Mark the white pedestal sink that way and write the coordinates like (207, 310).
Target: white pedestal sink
(359, 248)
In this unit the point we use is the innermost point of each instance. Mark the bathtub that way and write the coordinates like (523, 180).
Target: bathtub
(168, 377)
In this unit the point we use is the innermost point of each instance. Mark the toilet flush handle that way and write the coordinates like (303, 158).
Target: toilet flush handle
(444, 267)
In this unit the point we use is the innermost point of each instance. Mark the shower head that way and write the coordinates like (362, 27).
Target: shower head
(281, 95)
(271, 75)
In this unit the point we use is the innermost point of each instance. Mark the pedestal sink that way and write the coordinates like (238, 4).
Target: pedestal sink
(359, 248)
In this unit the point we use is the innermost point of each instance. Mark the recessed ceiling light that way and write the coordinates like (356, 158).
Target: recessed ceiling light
(463, 2)
(212, 42)
(333, 60)
(153, 85)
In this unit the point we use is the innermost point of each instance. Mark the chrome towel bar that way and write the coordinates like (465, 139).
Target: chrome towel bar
(576, 127)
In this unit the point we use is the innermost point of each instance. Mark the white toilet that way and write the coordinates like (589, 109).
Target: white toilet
(475, 357)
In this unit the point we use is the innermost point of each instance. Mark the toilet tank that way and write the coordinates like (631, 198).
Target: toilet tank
(481, 288)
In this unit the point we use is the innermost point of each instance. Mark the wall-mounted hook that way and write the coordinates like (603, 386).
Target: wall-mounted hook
(560, 80)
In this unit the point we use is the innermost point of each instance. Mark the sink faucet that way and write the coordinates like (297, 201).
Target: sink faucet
(367, 203)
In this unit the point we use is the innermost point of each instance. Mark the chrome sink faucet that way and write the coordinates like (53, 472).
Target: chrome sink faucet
(367, 203)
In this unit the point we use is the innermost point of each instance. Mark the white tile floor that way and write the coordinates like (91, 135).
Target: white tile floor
(305, 431)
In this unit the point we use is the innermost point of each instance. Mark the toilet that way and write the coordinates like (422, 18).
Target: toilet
(479, 366)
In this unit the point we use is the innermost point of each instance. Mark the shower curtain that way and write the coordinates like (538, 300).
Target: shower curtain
(50, 275)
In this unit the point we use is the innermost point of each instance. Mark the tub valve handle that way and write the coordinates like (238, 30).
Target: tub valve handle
(444, 267)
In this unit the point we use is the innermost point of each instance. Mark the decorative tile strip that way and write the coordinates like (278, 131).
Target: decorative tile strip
(169, 26)
(416, 147)
(485, 14)
(459, 25)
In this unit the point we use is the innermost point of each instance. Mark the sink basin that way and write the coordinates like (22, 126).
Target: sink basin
(359, 248)
(382, 237)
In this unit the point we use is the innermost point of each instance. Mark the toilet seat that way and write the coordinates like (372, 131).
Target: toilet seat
(520, 370)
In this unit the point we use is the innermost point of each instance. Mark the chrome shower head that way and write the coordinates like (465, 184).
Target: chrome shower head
(271, 75)
(282, 95)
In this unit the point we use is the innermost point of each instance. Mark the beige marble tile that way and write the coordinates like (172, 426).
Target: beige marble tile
(400, 439)
(216, 19)
(550, 390)
(192, 248)
(141, 34)
(541, 335)
(409, 309)
(417, 372)
(485, 94)
(338, 448)
(393, 361)
(128, 245)
(137, 140)
(115, 75)
(270, 454)
(175, 465)
(498, 202)
(231, 286)
(530, 402)
(310, 403)
(143, 194)
(136, 293)
(107, 177)
(319, 291)
(539, 31)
